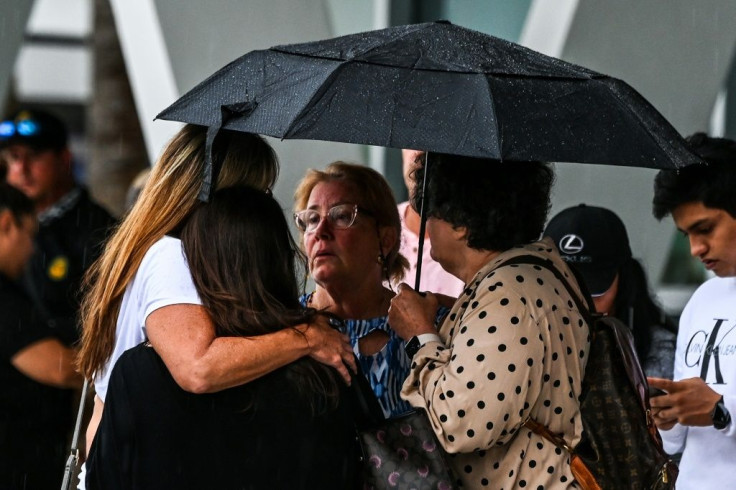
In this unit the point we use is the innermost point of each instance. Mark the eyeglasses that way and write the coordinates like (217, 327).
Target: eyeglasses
(26, 127)
(340, 217)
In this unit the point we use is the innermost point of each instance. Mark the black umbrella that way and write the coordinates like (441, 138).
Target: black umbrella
(435, 87)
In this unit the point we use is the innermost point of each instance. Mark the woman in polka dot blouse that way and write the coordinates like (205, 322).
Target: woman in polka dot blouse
(514, 345)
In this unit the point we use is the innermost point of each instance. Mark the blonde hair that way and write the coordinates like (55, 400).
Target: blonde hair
(372, 193)
(166, 201)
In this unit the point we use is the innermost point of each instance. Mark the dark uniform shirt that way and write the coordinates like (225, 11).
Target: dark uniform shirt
(70, 238)
(34, 418)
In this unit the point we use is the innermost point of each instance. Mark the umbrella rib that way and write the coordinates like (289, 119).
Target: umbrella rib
(311, 102)
(652, 135)
(437, 70)
(499, 137)
(373, 47)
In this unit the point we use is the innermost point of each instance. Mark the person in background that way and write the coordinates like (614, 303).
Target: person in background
(290, 429)
(595, 242)
(695, 413)
(434, 277)
(36, 368)
(350, 232)
(141, 287)
(71, 227)
(514, 346)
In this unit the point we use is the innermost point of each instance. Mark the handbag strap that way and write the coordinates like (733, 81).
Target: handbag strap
(543, 431)
(585, 305)
(80, 413)
(366, 410)
(622, 335)
(584, 309)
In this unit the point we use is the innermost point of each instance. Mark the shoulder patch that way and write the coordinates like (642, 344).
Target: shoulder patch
(58, 268)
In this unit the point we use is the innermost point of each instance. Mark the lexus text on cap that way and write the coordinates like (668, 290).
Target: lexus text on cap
(37, 129)
(594, 239)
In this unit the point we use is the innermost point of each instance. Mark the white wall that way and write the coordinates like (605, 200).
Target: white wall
(53, 71)
(200, 37)
(13, 18)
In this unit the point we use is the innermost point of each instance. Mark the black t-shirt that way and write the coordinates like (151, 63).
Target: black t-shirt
(70, 237)
(34, 418)
(260, 435)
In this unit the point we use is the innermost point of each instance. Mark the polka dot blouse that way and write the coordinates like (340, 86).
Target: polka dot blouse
(514, 346)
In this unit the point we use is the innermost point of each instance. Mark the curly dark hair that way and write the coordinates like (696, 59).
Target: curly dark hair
(501, 204)
(713, 184)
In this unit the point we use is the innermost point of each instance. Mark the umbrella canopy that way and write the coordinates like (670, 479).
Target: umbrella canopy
(436, 87)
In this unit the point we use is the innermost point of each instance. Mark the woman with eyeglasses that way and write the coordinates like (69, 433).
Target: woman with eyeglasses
(350, 230)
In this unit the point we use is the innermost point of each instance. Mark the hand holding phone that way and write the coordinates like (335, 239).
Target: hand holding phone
(655, 392)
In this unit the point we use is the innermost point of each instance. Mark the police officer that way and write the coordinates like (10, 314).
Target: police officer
(34, 147)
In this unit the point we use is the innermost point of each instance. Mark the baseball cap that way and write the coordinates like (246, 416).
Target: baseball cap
(594, 239)
(38, 129)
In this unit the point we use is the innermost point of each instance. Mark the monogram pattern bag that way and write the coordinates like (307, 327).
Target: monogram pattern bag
(617, 419)
(403, 452)
(620, 448)
(399, 452)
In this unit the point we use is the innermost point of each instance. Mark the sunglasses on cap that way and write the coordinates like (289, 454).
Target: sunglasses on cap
(26, 127)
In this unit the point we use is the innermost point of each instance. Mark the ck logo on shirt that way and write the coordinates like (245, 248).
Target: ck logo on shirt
(706, 349)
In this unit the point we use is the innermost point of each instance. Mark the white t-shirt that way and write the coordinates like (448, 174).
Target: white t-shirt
(162, 279)
(434, 278)
(706, 348)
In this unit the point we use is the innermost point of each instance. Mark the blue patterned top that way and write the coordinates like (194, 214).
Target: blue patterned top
(387, 369)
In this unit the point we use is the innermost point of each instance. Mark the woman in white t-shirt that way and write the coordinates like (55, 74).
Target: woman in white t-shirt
(141, 289)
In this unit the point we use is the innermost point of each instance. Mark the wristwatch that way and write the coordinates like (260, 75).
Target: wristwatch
(416, 342)
(720, 416)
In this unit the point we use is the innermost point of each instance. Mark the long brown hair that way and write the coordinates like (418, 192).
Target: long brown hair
(243, 262)
(167, 199)
(372, 193)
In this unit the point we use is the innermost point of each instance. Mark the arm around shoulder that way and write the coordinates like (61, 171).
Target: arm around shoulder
(184, 337)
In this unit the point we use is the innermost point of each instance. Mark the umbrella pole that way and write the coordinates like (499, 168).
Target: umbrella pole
(422, 222)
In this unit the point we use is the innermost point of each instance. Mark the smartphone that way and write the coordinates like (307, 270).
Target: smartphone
(655, 392)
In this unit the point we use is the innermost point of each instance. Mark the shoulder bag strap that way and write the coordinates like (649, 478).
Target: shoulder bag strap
(78, 425)
(72, 463)
(543, 431)
(579, 469)
(530, 423)
(584, 305)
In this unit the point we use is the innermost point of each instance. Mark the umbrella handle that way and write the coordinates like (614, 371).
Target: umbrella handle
(211, 167)
(210, 171)
(422, 222)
